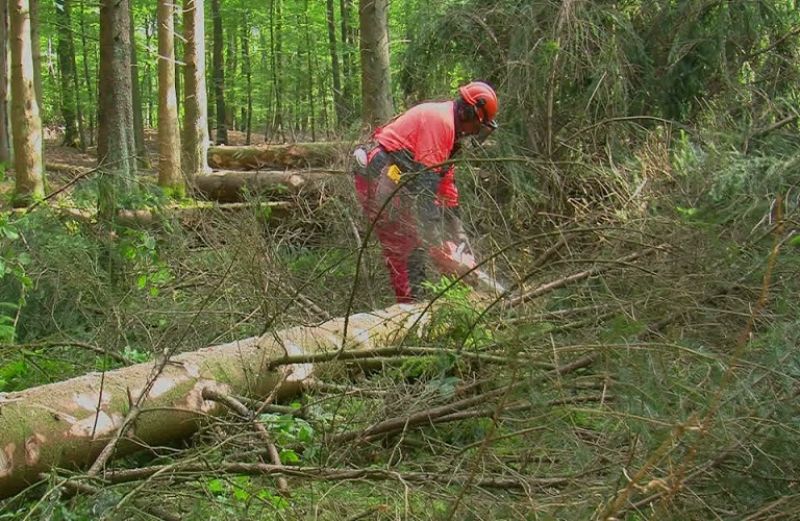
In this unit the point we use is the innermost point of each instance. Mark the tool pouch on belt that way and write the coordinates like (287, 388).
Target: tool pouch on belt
(370, 160)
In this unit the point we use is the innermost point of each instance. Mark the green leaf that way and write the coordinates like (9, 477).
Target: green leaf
(216, 486)
(141, 281)
(289, 456)
(795, 241)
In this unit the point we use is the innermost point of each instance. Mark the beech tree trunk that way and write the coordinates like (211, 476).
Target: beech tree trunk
(170, 177)
(67, 424)
(5, 137)
(116, 149)
(195, 107)
(375, 81)
(25, 119)
(219, 75)
(348, 46)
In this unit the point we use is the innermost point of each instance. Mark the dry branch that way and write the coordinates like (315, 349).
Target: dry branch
(329, 474)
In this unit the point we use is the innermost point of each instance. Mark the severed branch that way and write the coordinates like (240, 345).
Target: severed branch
(576, 277)
(331, 474)
(75, 487)
(239, 408)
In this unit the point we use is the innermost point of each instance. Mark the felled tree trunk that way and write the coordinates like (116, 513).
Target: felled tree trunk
(232, 186)
(67, 424)
(297, 155)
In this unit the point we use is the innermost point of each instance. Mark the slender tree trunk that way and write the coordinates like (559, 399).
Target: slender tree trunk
(178, 51)
(170, 177)
(195, 107)
(25, 120)
(338, 95)
(310, 76)
(219, 74)
(279, 116)
(116, 149)
(66, 61)
(375, 81)
(138, 118)
(230, 73)
(348, 68)
(36, 42)
(90, 86)
(5, 137)
(247, 121)
(148, 74)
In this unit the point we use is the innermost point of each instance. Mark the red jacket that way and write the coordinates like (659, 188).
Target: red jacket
(428, 132)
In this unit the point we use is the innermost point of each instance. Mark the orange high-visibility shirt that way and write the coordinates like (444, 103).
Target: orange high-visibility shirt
(427, 131)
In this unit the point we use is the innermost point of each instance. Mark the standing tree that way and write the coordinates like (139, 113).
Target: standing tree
(90, 85)
(348, 45)
(247, 120)
(219, 75)
(195, 109)
(138, 119)
(36, 43)
(338, 95)
(5, 138)
(25, 120)
(69, 78)
(375, 82)
(170, 177)
(116, 150)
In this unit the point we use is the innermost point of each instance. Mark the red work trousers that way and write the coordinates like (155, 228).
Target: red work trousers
(395, 225)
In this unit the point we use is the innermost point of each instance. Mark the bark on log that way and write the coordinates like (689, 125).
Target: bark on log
(232, 186)
(67, 424)
(295, 155)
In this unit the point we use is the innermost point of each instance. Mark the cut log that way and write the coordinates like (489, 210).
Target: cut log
(67, 424)
(232, 186)
(296, 155)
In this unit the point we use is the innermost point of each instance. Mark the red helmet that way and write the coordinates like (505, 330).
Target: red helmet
(481, 96)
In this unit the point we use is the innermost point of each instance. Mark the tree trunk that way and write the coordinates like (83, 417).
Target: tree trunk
(90, 85)
(67, 424)
(148, 73)
(375, 81)
(36, 44)
(170, 178)
(232, 186)
(278, 70)
(195, 107)
(66, 64)
(348, 44)
(310, 76)
(247, 120)
(5, 138)
(138, 118)
(177, 51)
(338, 98)
(295, 156)
(116, 150)
(219, 75)
(25, 119)
(231, 100)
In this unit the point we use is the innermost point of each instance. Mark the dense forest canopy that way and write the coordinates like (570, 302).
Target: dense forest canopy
(195, 316)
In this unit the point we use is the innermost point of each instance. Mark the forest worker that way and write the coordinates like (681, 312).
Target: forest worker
(403, 164)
